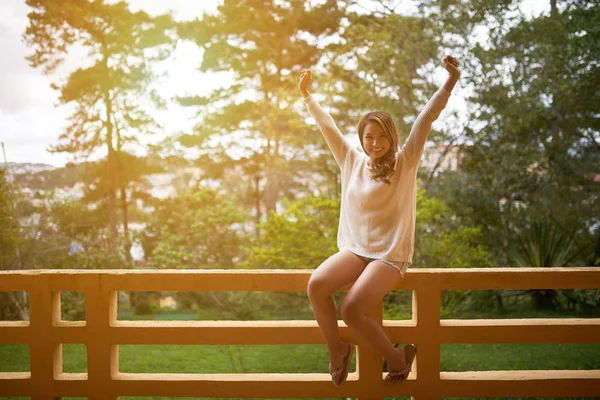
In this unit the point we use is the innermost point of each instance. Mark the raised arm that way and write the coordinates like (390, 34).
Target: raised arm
(338, 145)
(415, 143)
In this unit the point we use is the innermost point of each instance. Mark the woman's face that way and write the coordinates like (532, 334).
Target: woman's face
(375, 140)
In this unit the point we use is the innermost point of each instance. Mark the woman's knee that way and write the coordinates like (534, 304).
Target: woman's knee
(318, 287)
(351, 311)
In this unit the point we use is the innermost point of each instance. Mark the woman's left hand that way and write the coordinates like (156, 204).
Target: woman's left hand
(451, 65)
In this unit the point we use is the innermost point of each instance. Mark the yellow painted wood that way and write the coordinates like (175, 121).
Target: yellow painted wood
(531, 330)
(500, 383)
(251, 385)
(295, 280)
(15, 334)
(14, 376)
(517, 331)
(102, 334)
(45, 352)
(426, 309)
(514, 278)
(522, 383)
(101, 312)
(221, 332)
(14, 324)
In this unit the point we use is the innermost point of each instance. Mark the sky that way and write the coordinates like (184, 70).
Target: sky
(30, 118)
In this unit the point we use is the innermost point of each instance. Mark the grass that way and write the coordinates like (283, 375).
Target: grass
(307, 358)
(490, 357)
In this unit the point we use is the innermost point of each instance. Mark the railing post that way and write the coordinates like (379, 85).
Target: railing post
(426, 310)
(369, 362)
(45, 353)
(103, 361)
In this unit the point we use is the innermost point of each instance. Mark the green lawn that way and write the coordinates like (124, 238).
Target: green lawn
(306, 358)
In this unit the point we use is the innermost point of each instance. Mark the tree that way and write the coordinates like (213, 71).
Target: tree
(67, 234)
(444, 241)
(12, 303)
(302, 236)
(121, 46)
(198, 229)
(536, 132)
(386, 59)
(380, 64)
(9, 234)
(265, 45)
(132, 184)
(543, 245)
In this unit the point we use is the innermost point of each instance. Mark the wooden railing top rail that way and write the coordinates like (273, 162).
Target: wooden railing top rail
(296, 280)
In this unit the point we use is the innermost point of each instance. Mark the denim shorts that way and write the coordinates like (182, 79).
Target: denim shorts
(401, 266)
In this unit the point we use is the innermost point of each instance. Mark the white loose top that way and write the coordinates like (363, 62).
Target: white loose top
(377, 220)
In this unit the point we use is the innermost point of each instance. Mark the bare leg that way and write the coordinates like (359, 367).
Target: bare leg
(337, 271)
(371, 286)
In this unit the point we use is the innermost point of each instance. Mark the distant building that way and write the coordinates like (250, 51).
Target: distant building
(168, 301)
(448, 157)
(31, 168)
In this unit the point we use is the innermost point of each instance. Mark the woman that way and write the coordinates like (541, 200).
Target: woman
(376, 228)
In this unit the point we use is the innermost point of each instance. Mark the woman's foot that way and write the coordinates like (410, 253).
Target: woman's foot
(400, 367)
(339, 362)
(337, 354)
(398, 362)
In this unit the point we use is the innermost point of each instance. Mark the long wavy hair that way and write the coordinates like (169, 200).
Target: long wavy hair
(383, 167)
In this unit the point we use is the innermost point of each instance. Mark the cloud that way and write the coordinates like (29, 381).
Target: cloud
(30, 120)
(27, 134)
(20, 85)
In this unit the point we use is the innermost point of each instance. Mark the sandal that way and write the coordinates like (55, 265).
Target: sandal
(340, 374)
(401, 375)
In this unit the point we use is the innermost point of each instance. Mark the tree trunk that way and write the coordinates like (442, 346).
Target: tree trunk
(132, 301)
(555, 146)
(544, 299)
(271, 188)
(110, 168)
(438, 163)
(12, 308)
(123, 192)
(597, 255)
(127, 241)
(257, 196)
(112, 200)
(499, 302)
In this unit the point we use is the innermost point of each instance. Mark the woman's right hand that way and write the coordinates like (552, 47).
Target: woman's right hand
(305, 81)
(451, 65)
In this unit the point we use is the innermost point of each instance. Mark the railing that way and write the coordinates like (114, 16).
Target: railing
(102, 333)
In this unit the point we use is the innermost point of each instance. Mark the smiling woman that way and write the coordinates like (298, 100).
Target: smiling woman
(376, 226)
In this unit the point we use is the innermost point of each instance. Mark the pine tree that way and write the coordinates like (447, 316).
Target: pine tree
(265, 44)
(121, 46)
